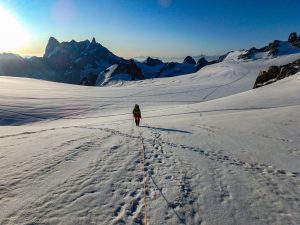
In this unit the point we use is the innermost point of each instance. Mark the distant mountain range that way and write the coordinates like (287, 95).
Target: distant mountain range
(90, 63)
(179, 59)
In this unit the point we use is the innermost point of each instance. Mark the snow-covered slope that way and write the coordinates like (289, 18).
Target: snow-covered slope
(71, 155)
(105, 76)
(213, 81)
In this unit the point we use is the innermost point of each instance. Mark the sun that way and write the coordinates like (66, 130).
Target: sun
(13, 35)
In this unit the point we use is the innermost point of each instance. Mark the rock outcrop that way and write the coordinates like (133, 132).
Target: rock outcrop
(152, 62)
(272, 50)
(69, 62)
(276, 73)
(89, 80)
(73, 57)
(189, 60)
(188, 66)
(120, 72)
(294, 39)
(201, 63)
(129, 67)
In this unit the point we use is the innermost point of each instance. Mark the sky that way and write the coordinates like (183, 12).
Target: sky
(160, 28)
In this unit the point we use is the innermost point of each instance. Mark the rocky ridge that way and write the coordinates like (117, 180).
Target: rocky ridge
(88, 62)
(275, 73)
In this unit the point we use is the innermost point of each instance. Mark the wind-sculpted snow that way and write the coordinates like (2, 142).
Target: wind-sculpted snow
(216, 151)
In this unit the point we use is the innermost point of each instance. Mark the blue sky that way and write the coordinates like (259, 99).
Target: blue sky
(162, 28)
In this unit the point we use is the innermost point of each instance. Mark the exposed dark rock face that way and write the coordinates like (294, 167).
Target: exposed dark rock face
(201, 63)
(189, 60)
(89, 80)
(52, 45)
(152, 62)
(275, 73)
(128, 70)
(171, 65)
(168, 66)
(69, 62)
(73, 57)
(292, 37)
(192, 66)
(272, 48)
(129, 67)
(221, 58)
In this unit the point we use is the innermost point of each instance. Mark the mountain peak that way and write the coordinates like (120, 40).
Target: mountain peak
(53, 41)
(294, 39)
(189, 60)
(152, 62)
(52, 44)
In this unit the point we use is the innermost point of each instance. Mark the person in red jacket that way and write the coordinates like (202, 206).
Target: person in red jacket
(137, 114)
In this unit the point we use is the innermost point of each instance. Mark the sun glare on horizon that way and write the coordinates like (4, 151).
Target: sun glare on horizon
(13, 34)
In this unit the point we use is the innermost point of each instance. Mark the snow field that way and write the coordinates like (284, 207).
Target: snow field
(216, 152)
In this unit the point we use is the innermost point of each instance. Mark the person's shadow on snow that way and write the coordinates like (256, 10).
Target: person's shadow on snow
(168, 130)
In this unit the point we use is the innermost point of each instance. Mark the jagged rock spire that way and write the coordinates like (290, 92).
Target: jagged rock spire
(52, 44)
